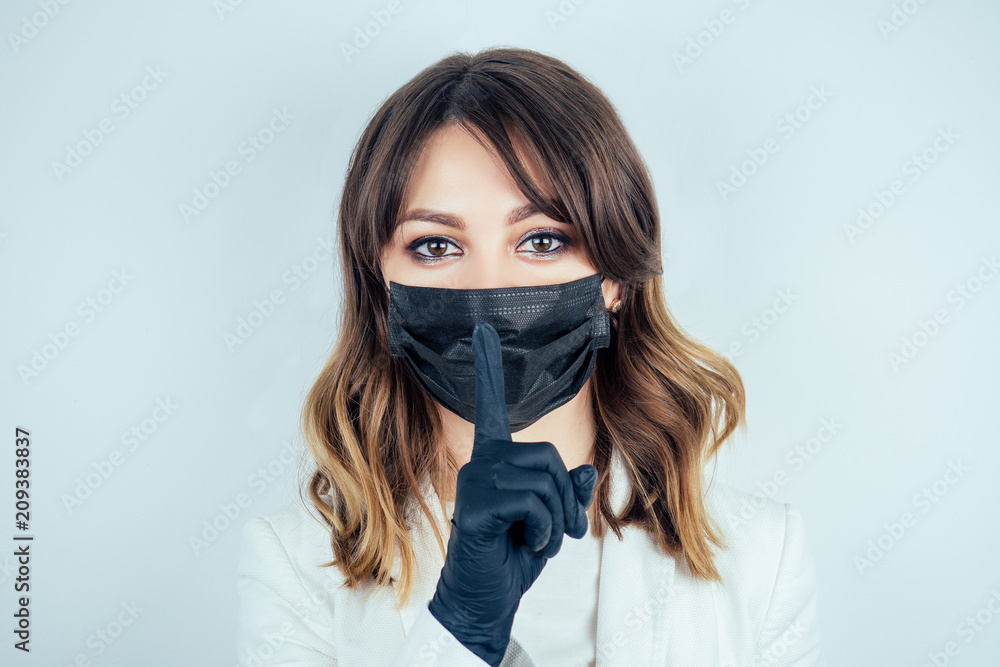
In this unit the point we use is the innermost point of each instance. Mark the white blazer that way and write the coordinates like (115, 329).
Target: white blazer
(651, 611)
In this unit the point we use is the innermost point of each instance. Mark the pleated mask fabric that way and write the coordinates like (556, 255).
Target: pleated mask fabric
(549, 338)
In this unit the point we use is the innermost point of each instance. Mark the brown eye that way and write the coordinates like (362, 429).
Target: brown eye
(437, 248)
(542, 243)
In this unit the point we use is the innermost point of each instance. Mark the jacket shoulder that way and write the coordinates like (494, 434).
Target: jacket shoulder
(293, 611)
(752, 522)
(294, 535)
(754, 529)
(286, 601)
(768, 572)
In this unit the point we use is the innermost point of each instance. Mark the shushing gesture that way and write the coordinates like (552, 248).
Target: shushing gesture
(513, 503)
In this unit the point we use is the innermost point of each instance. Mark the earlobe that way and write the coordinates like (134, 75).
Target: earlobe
(611, 292)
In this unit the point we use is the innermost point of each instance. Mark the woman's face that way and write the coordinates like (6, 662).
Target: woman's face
(466, 225)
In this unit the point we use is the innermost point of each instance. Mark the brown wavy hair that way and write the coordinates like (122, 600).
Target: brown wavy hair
(661, 399)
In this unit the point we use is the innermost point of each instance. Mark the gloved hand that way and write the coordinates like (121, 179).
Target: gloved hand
(513, 502)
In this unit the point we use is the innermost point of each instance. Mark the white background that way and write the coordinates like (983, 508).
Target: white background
(855, 298)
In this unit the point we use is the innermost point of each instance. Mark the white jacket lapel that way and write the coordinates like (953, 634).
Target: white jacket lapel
(651, 611)
(636, 586)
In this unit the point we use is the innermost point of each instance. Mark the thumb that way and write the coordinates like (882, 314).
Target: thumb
(584, 479)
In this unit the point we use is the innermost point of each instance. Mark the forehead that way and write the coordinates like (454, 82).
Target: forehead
(453, 162)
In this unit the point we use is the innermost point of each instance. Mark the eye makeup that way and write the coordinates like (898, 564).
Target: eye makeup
(564, 243)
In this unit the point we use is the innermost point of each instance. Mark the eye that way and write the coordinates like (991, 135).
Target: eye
(541, 243)
(436, 246)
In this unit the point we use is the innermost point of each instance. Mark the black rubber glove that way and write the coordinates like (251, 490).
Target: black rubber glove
(513, 502)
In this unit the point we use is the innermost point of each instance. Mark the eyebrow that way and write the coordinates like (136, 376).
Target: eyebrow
(515, 216)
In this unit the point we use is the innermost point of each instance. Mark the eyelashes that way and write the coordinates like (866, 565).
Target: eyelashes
(564, 243)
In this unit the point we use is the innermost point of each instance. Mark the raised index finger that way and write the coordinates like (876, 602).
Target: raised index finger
(492, 421)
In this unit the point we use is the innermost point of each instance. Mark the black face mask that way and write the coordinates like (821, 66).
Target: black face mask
(549, 337)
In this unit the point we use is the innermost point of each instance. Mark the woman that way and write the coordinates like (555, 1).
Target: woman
(504, 335)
